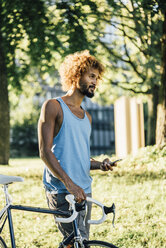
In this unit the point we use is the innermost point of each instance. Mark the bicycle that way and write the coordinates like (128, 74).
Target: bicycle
(65, 217)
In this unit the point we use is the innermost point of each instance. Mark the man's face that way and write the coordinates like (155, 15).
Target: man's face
(88, 82)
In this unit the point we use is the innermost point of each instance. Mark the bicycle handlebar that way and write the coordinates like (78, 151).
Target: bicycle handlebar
(72, 202)
(105, 211)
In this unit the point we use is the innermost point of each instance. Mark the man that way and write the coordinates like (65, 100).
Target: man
(64, 137)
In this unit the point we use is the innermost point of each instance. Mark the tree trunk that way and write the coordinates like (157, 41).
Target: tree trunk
(4, 109)
(152, 116)
(161, 110)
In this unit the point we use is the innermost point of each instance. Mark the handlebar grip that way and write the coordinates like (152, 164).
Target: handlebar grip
(80, 206)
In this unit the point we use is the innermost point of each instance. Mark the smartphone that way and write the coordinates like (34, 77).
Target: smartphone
(112, 163)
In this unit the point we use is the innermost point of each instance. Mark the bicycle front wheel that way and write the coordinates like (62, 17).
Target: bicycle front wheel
(2, 243)
(97, 243)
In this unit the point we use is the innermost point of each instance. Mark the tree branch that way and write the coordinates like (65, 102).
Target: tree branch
(118, 84)
(125, 6)
(111, 51)
(133, 40)
(105, 33)
(114, 24)
(129, 59)
(137, 25)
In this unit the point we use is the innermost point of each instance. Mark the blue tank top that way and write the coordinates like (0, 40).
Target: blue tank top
(72, 149)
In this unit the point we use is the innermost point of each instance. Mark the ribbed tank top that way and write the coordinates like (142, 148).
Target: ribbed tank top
(72, 149)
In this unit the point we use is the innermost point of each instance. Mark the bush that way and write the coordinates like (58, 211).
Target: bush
(24, 141)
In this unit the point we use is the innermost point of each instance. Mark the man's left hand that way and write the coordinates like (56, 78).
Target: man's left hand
(107, 165)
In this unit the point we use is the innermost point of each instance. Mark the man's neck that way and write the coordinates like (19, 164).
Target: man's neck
(74, 97)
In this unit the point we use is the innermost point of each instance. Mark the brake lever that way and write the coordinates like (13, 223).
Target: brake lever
(113, 220)
(111, 209)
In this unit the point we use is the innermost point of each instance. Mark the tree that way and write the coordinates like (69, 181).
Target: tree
(32, 35)
(16, 24)
(161, 109)
(134, 47)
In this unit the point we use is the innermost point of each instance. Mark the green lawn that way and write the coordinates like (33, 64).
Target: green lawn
(137, 187)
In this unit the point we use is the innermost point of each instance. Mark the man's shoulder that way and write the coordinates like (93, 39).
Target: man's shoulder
(51, 105)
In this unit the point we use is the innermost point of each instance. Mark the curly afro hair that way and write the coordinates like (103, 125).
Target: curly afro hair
(75, 65)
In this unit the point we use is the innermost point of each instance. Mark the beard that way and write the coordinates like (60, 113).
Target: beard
(86, 91)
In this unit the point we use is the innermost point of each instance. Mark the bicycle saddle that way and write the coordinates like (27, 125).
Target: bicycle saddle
(9, 179)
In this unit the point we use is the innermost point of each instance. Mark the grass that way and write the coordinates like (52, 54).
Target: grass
(137, 187)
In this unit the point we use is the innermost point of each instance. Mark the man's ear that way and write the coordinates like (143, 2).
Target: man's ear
(76, 83)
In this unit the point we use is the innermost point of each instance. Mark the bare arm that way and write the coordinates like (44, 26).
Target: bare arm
(48, 119)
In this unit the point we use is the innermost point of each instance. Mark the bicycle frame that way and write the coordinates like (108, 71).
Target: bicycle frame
(74, 235)
(6, 213)
(68, 216)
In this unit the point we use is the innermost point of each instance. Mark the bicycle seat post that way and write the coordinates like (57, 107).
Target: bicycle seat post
(8, 203)
(7, 196)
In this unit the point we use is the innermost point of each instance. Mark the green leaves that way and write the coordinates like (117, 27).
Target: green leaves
(134, 44)
(33, 31)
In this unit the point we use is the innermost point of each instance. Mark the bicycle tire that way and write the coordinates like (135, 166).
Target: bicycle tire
(98, 243)
(2, 243)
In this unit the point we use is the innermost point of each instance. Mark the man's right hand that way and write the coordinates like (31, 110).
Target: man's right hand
(77, 191)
